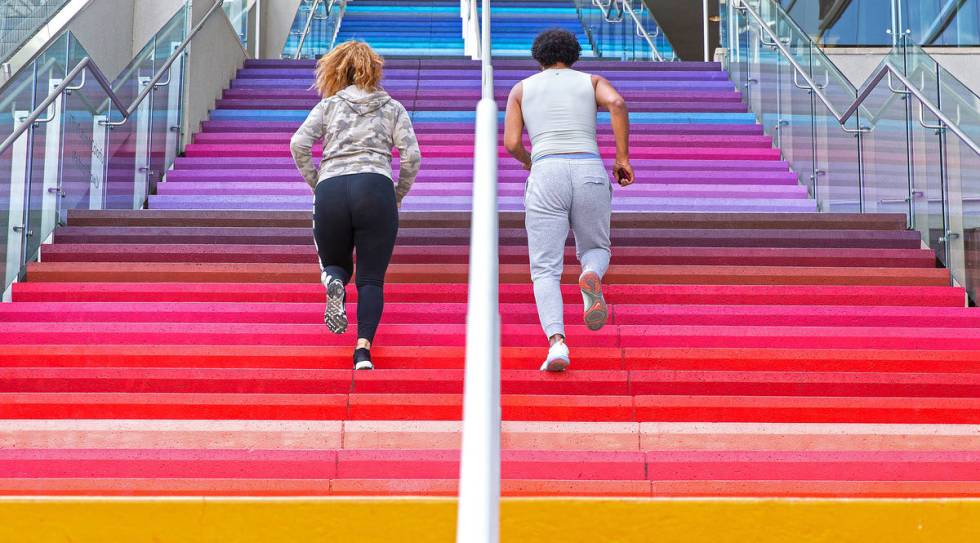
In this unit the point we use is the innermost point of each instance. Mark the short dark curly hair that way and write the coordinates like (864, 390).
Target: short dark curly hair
(554, 46)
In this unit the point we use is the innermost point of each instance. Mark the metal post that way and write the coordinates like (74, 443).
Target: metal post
(258, 28)
(486, 52)
(173, 110)
(17, 225)
(478, 517)
(704, 10)
(50, 188)
(100, 145)
(141, 164)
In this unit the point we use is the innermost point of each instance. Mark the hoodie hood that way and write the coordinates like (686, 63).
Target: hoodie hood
(363, 102)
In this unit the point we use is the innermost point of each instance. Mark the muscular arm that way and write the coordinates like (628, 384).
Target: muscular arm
(514, 127)
(607, 97)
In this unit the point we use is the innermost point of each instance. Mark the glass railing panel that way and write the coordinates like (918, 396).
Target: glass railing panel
(654, 31)
(624, 30)
(928, 207)
(886, 159)
(738, 50)
(837, 165)
(70, 158)
(166, 100)
(21, 19)
(943, 23)
(83, 156)
(959, 103)
(237, 13)
(855, 23)
(323, 27)
(793, 133)
(963, 174)
(16, 102)
(128, 176)
(50, 68)
(765, 72)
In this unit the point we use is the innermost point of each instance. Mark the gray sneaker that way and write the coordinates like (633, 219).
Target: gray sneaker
(596, 312)
(335, 316)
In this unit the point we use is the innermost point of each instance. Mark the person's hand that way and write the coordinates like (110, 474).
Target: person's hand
(527, 165)
(624, 173)
(398, 205)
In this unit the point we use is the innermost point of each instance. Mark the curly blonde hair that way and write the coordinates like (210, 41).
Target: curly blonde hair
(350, 63)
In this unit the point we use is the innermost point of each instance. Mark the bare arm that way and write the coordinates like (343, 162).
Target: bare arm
(514, 127)
(606, 96)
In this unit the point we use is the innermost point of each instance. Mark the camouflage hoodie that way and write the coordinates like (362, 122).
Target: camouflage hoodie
(358, 129)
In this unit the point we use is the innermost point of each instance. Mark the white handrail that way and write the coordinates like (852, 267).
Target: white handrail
(478, 517)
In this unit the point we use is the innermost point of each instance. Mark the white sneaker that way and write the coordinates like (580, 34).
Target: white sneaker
(557, 360)
(335, 316)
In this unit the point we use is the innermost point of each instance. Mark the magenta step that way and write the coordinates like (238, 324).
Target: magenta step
(509, 293)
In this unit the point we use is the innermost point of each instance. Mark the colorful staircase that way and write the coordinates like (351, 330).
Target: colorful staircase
(755, 348)
(432, 28)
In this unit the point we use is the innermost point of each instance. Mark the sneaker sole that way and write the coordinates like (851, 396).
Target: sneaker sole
(556, 365)
(335, 316)
(596, 312)
(364, 365)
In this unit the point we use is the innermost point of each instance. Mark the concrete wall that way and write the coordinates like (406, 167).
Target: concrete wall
(105, 29)
(113, 31)
(858, 63)
(148, 17)
(277, 19)
(215, 56)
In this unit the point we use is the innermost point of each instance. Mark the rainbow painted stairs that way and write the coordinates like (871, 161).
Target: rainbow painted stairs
(755, 347)
(179, 349)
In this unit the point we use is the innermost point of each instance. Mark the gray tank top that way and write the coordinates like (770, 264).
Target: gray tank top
(559, 112)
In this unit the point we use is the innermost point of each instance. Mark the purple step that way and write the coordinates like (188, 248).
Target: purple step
(289, 127)
(434, 189)
(454, 177)
(438, 164)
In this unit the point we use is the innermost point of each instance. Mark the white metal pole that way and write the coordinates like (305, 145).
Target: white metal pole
(258, 28)
(487, 52)
(478, 516)
(704, 9)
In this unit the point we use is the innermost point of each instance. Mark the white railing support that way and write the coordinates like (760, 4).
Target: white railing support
(478, 516)
(704, 10)
(478, 519)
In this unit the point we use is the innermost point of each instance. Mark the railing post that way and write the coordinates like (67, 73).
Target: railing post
(704, 10)
(479, 478)
(478, 515)
(100, 159)
(51, 186)
(17, 225)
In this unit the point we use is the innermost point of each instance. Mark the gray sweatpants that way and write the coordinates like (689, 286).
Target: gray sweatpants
(562, 192)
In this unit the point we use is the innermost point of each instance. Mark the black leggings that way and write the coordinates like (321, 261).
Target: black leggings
(351, 212)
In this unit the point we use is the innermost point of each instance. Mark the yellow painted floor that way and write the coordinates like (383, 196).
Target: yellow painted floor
(232, 520)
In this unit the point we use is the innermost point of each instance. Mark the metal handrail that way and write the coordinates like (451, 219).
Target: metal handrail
(642, 32)
(306, 28)
(478, 517)
(103, 81)
(309, 24)
(606, 9)
(883, 71)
